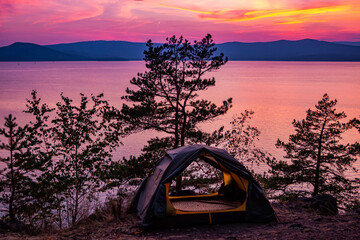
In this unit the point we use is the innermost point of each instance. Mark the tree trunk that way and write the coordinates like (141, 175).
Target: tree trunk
(12, 181)
(59, 216)
(317, 173)
(182, 141)
(183, 128)
(318, 161)
(77, 187)
(76, 207)
(179, 178)
(176, 144)
(176, 134)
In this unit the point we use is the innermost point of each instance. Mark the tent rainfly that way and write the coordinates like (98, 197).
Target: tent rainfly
(240, 199)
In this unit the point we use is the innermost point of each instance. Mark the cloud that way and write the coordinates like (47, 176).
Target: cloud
(245, 15)
(6, 8)
(191, 10)
(45, 21)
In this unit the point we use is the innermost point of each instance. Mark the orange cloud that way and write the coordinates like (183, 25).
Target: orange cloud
(238, 16)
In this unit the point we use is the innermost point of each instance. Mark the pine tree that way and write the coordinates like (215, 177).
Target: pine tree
(165, 97)
(317, 155)
(14, 181)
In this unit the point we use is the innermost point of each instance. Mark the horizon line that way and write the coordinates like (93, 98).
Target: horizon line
(101, 40)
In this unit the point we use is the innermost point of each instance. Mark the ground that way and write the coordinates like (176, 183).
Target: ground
(295, 223)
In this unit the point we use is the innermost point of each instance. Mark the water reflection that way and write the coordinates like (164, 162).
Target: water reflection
(278, 92)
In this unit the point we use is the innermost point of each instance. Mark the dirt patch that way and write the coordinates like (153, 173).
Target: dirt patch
(294, 223)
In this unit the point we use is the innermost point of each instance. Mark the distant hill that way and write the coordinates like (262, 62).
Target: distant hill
(33, 52)
(103, 49)
(283, 50)
(18, 52)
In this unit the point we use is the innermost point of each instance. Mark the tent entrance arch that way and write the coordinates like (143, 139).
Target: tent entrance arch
(228, 194)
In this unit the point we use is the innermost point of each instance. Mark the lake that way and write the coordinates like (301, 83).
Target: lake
(277, 92)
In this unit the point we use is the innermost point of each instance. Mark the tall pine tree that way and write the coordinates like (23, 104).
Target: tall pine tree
(318, 156)
(165, 97)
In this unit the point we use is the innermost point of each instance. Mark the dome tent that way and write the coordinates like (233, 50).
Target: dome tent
(156, 207)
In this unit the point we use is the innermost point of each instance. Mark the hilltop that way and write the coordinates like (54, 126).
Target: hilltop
(33, 52)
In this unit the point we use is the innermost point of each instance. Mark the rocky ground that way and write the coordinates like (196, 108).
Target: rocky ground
(295, 223)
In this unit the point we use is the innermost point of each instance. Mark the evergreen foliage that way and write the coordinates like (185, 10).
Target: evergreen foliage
(165, 97)
(318, 158)
(14, 177)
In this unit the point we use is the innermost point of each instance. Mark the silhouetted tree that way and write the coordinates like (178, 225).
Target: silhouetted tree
(356, 124)
(14, 181)
(165, 97)
(46, 204)
(240, 140)
(80, 140)
(317, 155)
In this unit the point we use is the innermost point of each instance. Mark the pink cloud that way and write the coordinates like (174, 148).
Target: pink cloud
(6, 8)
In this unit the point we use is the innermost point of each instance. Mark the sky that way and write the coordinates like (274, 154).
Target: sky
(62, 21)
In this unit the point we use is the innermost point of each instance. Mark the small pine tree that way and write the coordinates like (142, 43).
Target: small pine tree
(318, 157)
(14, 181)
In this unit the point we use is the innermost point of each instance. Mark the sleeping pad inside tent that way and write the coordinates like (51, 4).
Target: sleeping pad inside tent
(238, 198)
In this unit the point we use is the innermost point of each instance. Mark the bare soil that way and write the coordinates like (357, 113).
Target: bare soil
(295, 223)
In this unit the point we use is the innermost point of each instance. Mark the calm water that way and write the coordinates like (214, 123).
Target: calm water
(278, 92)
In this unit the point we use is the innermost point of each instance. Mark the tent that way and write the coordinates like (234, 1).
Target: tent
(155, 207)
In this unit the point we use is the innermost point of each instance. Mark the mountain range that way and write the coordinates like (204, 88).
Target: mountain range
(282, 50)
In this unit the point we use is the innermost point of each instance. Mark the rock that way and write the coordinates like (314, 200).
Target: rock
(324, 204)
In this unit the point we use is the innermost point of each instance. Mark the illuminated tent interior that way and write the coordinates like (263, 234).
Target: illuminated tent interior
(238, 199)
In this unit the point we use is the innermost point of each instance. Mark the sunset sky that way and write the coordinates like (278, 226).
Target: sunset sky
(58, 21)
